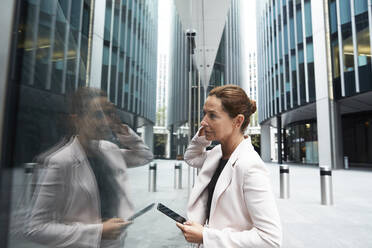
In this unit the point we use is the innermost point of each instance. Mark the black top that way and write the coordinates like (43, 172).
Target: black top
(107, 186)
(212, 184)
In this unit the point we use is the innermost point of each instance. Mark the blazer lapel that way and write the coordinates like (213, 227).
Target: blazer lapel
(205, 174)
(226, 175)
(223, 182)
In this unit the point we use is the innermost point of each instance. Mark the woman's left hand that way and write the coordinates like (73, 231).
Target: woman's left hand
(192, 231)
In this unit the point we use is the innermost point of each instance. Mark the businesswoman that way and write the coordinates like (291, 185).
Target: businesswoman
(231, 203)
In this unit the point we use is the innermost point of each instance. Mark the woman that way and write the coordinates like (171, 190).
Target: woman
(231, 204)
(82, 197)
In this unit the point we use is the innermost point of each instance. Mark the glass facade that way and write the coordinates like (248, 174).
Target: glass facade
(129, 56)
(357, 138)
(79, 69)
(301, 143)
(287, 75)
(351, 63)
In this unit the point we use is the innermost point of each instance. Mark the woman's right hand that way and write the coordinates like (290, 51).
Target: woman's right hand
(112, 228)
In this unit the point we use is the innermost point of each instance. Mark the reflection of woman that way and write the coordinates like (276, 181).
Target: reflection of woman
(232, 194)
(82, 198)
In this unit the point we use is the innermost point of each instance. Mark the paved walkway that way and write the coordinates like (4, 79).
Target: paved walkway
(306, 223)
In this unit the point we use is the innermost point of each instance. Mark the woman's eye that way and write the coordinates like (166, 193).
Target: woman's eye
(212, 116)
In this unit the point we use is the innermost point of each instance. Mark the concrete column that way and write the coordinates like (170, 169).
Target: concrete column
(265, 143)
(6, 25)
(172, 143)
(279, 135)
(148, 136)
(97, 44)
(329, 151)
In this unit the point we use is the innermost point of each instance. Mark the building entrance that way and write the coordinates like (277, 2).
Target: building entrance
(357, 139)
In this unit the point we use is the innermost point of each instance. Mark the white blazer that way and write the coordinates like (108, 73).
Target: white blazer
(66, 208)
(243, 210)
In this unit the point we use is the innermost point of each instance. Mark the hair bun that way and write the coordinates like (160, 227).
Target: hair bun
(253, 106)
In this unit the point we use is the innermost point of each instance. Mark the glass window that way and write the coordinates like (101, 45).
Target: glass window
(363, 45)
(333, 16)
(75, 14)
(292, 33)
(286, 39)
(108, 13)
(301, 83)
(308, 20)
(299, 26)
(301, 143)
(360, 6)
(115, 34)
(294, 79)
(309, 52)
(345, 14)
(43, 49)
(348, 57)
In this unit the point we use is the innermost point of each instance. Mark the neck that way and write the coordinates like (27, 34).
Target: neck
(84, 142)
(229, 146)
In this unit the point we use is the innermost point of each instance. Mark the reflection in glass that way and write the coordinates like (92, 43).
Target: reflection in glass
(363, 45)
(65, 136)
(301, 143)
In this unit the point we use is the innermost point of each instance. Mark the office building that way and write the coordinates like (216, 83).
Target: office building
(203, 57)
(314, 72)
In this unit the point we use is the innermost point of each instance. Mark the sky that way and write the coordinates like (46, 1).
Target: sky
(164, 25)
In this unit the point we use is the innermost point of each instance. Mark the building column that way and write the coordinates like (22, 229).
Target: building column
(6, 25)
(148, 136)
(265, 143)
(172, 143)
(279, 135)
(97, 44)
(330, 154)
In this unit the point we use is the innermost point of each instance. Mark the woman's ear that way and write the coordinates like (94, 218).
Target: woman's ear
(239, 120)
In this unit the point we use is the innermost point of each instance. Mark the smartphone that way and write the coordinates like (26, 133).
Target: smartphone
(168, 212)
(141, 212)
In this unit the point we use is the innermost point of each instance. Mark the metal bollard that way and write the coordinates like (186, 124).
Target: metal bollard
(178, 176)
(284, 181)
(152, 177)
(326, 185)
(346, 162)
(29, 170)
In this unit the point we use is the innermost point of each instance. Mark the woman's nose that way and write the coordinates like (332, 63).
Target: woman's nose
(204, 123)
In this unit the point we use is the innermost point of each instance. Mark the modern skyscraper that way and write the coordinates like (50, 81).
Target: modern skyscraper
(192, 64)
(314, 69)
(124, 48)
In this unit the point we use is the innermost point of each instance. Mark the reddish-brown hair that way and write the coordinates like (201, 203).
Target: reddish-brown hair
(234, 102)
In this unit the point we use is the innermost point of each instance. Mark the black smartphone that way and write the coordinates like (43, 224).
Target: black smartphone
(168, 212)
(141, 212)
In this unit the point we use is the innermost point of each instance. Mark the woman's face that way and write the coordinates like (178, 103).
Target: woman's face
(97, 121)
(218, 125)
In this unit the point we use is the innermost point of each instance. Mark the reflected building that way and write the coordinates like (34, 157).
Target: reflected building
(193, 65)
(252, 90)
(124, 48)
(314, 73)
(64, 45)
(161, 133)
(58, 46)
